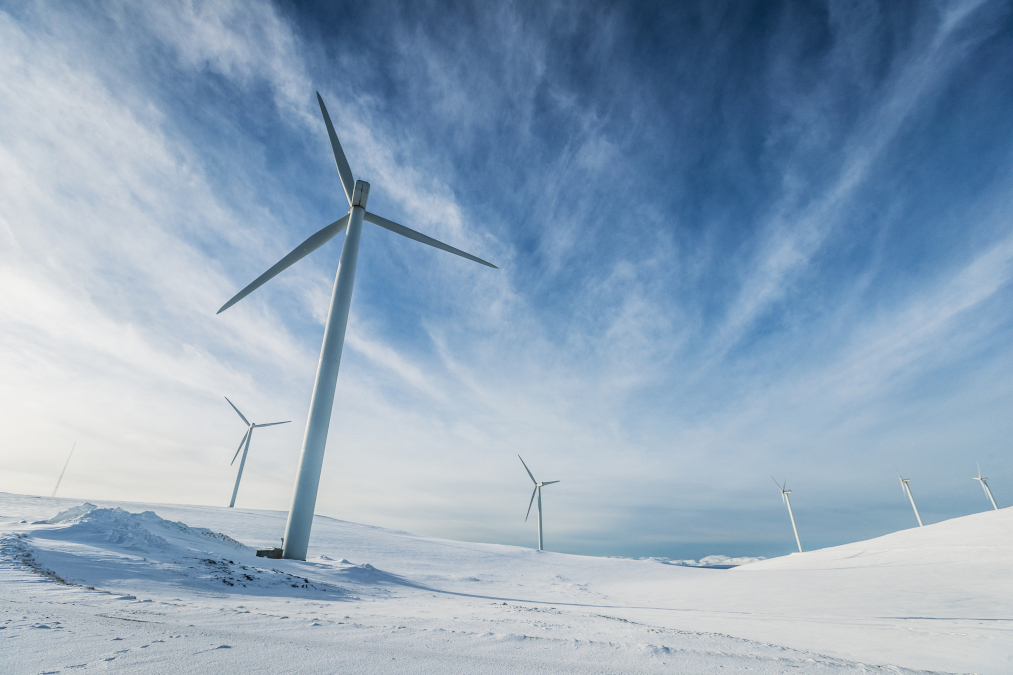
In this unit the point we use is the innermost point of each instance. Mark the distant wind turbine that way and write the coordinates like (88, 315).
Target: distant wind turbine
(244, 445)
(907, 490)
(538, 492)
(307, 481)
(984, 485)
(60, 479)
(787, 501)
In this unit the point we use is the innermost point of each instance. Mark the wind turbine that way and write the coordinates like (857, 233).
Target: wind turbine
(984, 485)
(907, 490)
(537, 491)
(60, 479)
(244, 445)
(307, 481)
(787, 501)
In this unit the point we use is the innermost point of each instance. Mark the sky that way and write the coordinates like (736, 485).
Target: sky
(736, 241)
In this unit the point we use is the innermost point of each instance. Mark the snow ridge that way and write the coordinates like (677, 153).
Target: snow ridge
(88, 546)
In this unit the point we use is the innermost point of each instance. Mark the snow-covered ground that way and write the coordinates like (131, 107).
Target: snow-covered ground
(158, 588)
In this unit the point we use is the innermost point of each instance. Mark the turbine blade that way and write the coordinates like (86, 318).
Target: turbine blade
(549, 482)
(237, 411)
(344, 171)
(776, 483)
(314, 242)
(528, 470)
(271, 424)
(530, 503)
(418, 236)
(240, 446)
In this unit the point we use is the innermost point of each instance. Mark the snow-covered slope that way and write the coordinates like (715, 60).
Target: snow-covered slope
(151, 588)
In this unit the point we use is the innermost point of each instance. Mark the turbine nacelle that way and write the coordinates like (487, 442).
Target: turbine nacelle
(980, 477)
(360, 193)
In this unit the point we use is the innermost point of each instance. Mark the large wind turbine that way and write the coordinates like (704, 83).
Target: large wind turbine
(787, 501)
(984, 485)
(65, 464)
(244, 445)
(538, 492)
(304, 497)
(907, 490)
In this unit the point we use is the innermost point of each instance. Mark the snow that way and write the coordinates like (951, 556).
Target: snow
(151, 588)
(714, 561)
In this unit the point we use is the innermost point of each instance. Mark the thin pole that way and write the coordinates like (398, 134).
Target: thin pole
(539, 517)
(242, 463)
(914, 506)
(58, 480)
(792, 516)
(307, 481)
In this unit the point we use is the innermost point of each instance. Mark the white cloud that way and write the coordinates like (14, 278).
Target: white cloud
(794, 235)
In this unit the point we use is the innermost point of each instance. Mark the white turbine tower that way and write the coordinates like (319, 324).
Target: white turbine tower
(307, 481)
(984, 485)
(537, 492)
(907, 490)
(787, 501)
(244, 445)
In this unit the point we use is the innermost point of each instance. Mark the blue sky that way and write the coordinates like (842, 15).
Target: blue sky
(735, 240)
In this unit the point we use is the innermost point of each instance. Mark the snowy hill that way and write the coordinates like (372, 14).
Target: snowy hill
(149, 588)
